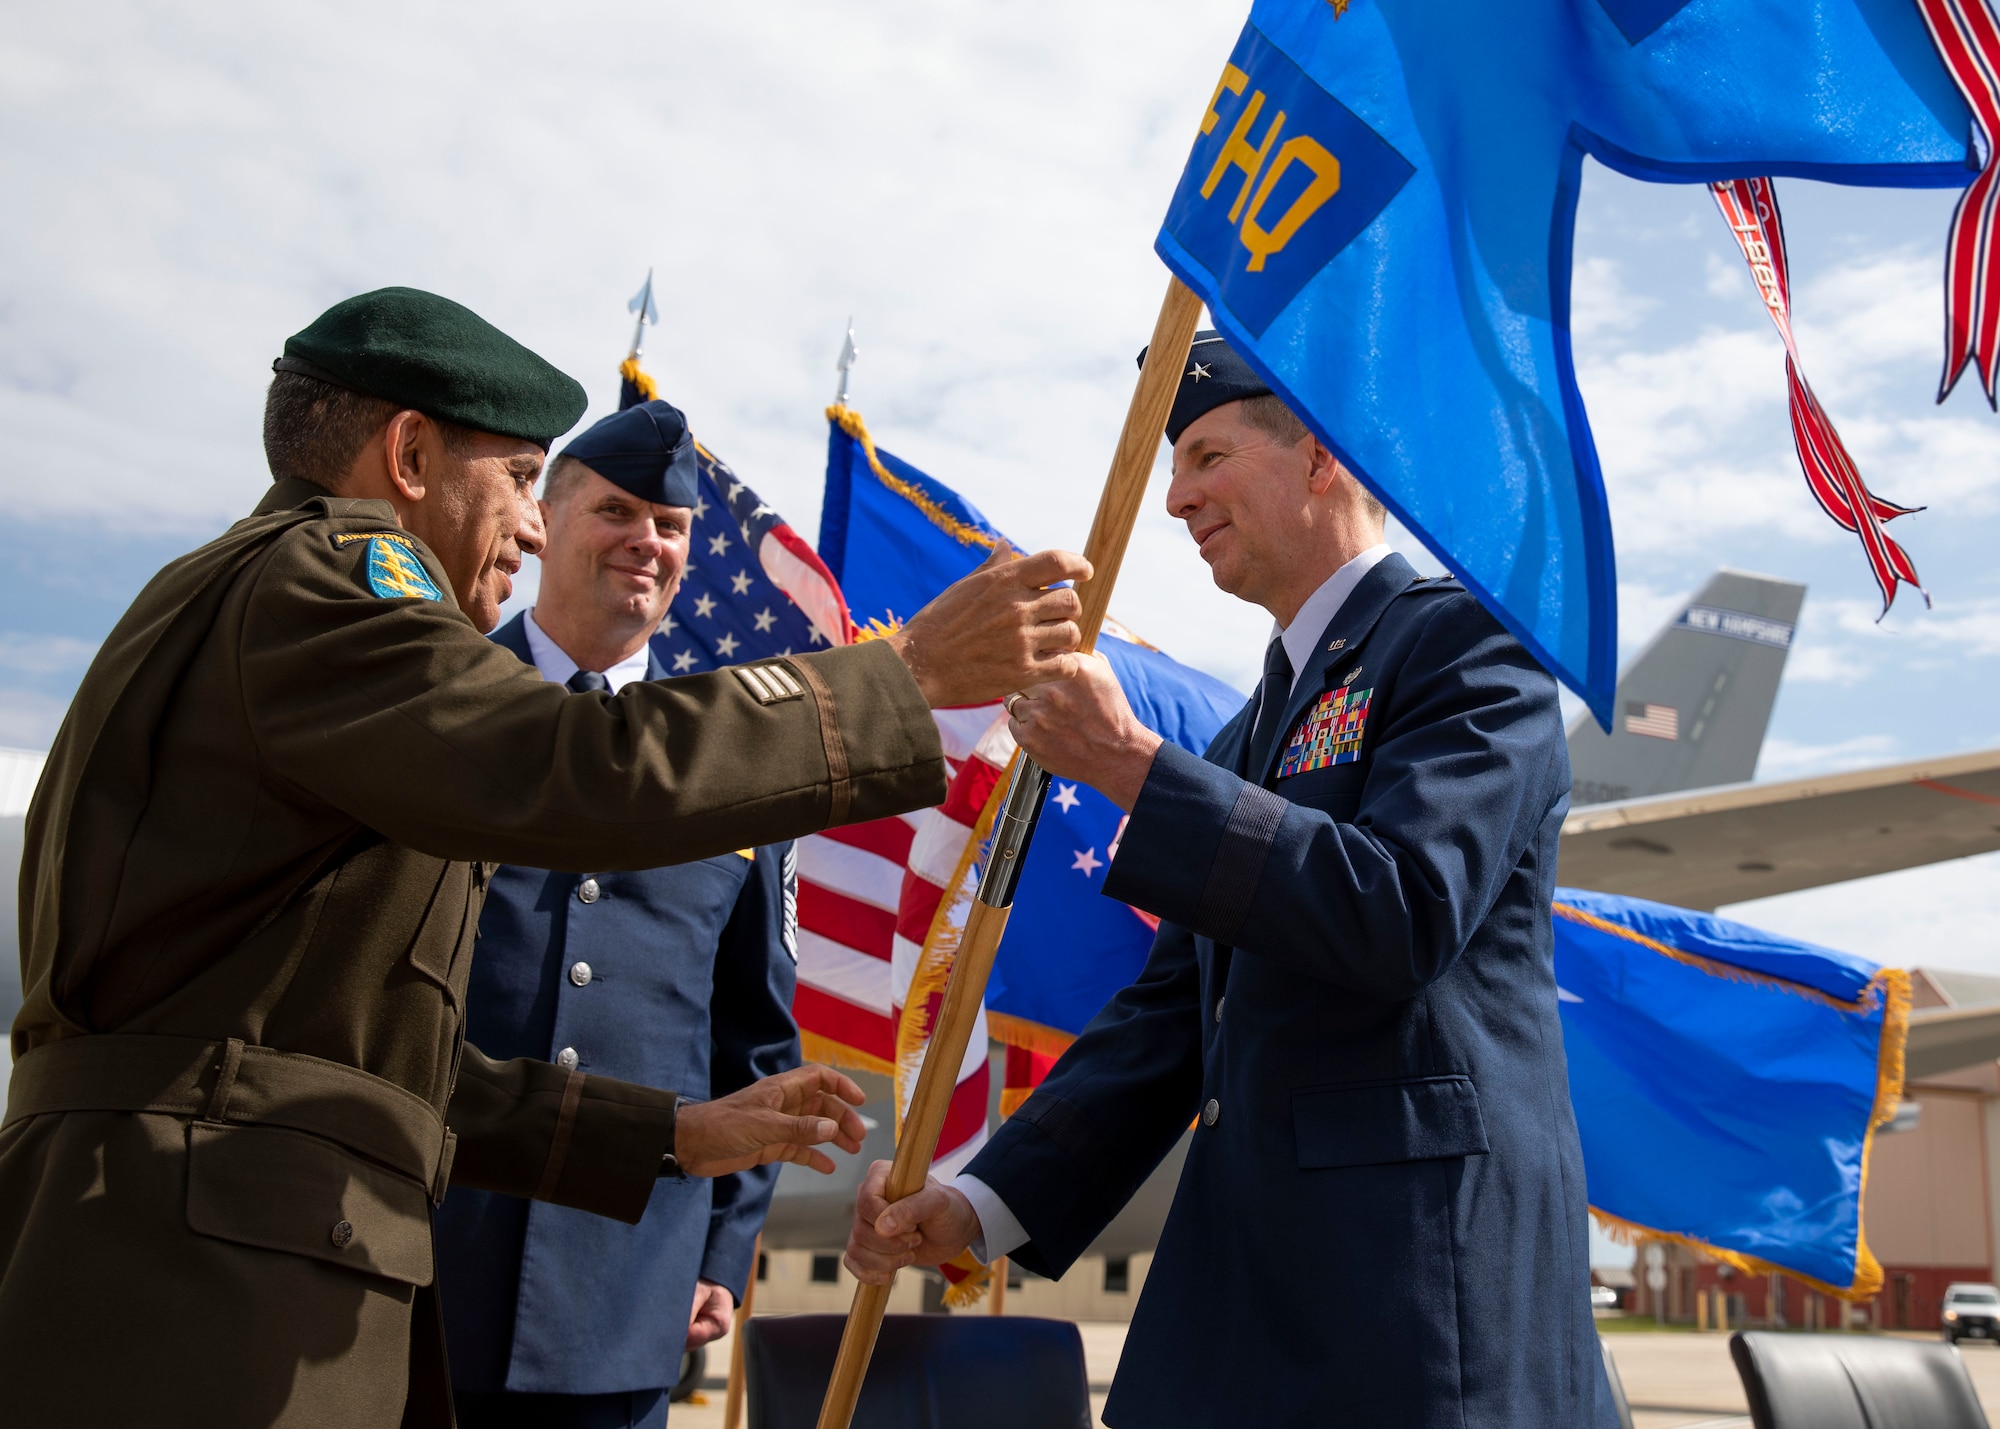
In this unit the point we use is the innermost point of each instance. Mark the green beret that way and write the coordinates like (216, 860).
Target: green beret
(419, 350)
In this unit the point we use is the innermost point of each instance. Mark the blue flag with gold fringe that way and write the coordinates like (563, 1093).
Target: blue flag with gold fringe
(894, 537)
(1728, 1083)
(1378, 211)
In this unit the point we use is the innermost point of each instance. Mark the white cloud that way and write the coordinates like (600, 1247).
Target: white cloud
(1945, 915)
(1784, 758)
(44, 654)
(29, 720)
(1602, 303)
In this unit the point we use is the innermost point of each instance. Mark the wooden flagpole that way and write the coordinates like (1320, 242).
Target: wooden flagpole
(1117, 510)
(732, 1404)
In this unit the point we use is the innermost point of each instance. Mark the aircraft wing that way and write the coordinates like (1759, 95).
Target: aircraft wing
(1743, 841)
(1943, 1039)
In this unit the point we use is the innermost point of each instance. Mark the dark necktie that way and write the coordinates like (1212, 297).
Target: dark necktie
(583, 682)
(1272, 696)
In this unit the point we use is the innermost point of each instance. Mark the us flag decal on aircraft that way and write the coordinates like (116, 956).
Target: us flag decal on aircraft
(1656, 721)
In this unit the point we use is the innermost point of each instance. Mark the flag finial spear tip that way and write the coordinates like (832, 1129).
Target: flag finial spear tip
(642, 304)
(848, 352)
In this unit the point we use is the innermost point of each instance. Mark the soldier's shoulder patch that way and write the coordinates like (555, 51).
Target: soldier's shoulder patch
(394, 570)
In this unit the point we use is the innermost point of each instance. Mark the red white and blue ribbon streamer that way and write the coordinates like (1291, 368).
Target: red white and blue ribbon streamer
(1968, 40)
(1750, 208)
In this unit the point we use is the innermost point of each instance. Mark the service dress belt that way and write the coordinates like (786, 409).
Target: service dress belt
(232, 1081)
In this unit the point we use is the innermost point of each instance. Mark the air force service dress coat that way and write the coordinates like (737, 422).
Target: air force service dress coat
(252, 879)
(1382, 1217)
(675, 977)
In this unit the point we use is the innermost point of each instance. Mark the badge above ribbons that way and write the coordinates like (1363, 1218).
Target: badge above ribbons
(1379, 207)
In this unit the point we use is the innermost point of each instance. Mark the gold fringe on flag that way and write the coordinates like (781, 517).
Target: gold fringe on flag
(632, 372)
(849, 421)
(1027, 1035)
(1868, 1001)
(822, 1049)
(1889, 989)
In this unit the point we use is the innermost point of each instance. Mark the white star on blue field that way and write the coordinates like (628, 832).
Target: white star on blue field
(726, 618)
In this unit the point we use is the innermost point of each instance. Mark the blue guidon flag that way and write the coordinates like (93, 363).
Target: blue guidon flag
(1379, 207)
(1728, 1083)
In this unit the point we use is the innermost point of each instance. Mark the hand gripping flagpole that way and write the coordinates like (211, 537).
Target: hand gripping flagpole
(1117, 510)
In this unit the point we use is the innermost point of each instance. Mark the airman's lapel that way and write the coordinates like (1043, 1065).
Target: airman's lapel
(514, 635)
(1341, 642)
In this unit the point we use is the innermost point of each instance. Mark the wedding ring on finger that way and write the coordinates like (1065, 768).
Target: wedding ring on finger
(1012, 700)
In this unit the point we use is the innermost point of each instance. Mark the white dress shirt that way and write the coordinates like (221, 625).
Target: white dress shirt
(1000, 1233)
(557, 667)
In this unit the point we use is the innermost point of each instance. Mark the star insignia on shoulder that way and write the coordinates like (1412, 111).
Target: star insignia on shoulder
(1198, 371)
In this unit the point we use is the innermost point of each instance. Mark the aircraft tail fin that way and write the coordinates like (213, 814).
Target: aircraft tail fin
(1692, 709)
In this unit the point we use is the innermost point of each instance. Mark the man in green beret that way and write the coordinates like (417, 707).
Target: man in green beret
(253, 875)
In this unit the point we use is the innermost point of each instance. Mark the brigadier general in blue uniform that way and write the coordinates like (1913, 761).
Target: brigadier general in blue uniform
(1381, 1220)
(671, 977)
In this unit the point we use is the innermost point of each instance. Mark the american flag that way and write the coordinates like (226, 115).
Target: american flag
(755, 589)
(1654, 721)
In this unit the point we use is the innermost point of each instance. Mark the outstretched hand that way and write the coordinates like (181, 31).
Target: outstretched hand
(999, 629)
(1084, 729)
(781, 1118)
(926, 1228)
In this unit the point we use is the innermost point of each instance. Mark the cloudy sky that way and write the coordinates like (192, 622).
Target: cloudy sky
(978, 184)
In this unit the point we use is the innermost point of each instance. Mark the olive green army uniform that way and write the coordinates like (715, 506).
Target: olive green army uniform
(249, 900)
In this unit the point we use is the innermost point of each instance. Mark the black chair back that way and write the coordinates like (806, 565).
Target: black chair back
(928, 1372)
(1618, 1401)
(1854, 1382)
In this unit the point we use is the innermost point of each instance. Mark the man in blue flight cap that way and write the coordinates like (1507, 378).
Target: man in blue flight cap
(1352, 995)
(672, 977)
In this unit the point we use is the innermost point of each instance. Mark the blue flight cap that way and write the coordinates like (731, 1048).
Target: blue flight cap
(646, 450)
(1214, 375)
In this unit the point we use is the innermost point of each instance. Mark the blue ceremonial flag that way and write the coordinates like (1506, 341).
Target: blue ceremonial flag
(1379, 207)
(894, 537)
(1727, 1082)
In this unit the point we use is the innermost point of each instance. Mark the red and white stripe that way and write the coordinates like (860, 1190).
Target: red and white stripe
(1750, 208)
(929, 921)
(1968, 40)
(852, 884)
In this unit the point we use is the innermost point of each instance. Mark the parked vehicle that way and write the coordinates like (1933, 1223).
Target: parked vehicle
(1971, 1312)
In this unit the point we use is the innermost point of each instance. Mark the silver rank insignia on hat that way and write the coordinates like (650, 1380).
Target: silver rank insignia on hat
(1197, 372)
